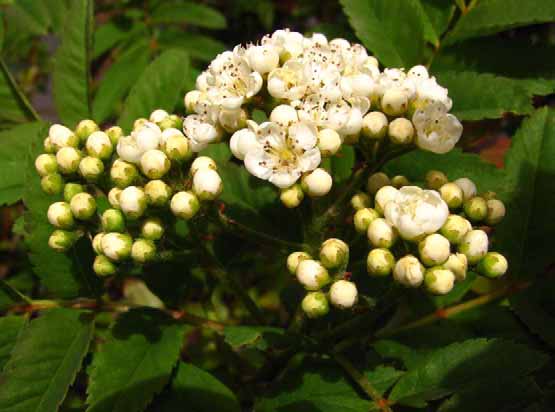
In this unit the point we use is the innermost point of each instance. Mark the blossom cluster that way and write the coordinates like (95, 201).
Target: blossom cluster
(150, 178)
(316, 95)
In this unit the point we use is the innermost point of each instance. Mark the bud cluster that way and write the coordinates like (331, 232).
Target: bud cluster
(151, 178)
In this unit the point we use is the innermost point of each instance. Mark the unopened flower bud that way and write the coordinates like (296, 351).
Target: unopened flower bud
(133, 202)
(329, 142)
(113, 221)
(496, 212)
(399, 181)
(158, 115)
(207, 184)
(385, 195)
(434, 249)
(68, 159)
(455, 228)
(103, 266)
(294, 259)
(184, 205)
(315, 305)
(97, 243)
(452, 194)
(99, 145)
(242, 142)
(474, 245)
(376, 181)
(408, 271)
(395, 102)
(143, 250)
(334, 253)
(60, 136)
(155, 164)
(177, 148)
(401, 131)
(467, 186)
(202, 162)
(85, 128)
(380, 262)
(123, 174)
(91, 168)
(381, 234)
(116, 246)
(152, 229)
(435, 179)
(476, 209)
(52, 184)
(361, 201)
(173, 121)
(312, 274)
(439, 281)
(363, 218)
(493, 265)
(114, 133)
(83, 206)
(374, 125)
(284, 115)
(458, 264)
(317, 183)
(46, 164)
(113, 197)
(191, 99)
(262, 59)
(62, 240)
(343, 294)
(139, 123)
(71, 189)
(157, 193)
(59, 215)
(48, 146)
(488, 195)
(292, 197)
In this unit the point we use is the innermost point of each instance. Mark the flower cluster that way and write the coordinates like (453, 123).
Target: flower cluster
(144, 176)
(316, 94)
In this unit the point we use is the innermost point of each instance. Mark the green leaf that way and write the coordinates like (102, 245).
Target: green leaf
(394, 30)
(37, 17)
(71, 76)
(485, 96)
(259, 337)
(198, 46)
(136, 361)
(15, 106)
(454, 367)
(11, 327)
(383, 377)
(45, 360)
(493, 16)
(159, 87)
(189, 12)
(200, 391)
(219, 152)
(22, 282)
(438, 14)
(107, 37)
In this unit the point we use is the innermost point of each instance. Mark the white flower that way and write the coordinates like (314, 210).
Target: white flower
(288, 81)
(283, 154)
(428, 91)
(436, 130)
(199, 131)
(416, 212)
(343, 294)
(243, 141)
(262, 59)
(287, 43)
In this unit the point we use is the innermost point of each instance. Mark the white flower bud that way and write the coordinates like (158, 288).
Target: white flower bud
(262, 59)
(474, 245)
(97, 243)
(476, 209)
(401, 131)
(123, 174)
(455, 228)
(62, 240)
(114, 133)
(148, 137)
(395, 102)
(458, 264)
(381, 233)
(408, 271)
(116, 246)
(191, 100)
(493, 265)
(83, 206)
(128, 149)
(103, 266)
(157, 193)
(152, 229)
(184, 205)
(233, 119)
(48, 146)
(85, 128)
(294, 259)
(207, 184)
(284, 115)
(496, 211)
(139, 123)
(452, 194)
(59, 215)
(467, 186)
(385, 195)
(133, 202)
(363, 218)
(374, 125)
(329, 142)
(177, 148)
(439, 281)
(435, 179)
(376, 181)
(60, 136)
(158, 116)
(170, 132)
(361, 201)
(143, 250)
(380, 262)
(46, 164)
(155, 164)
(52, 184)
(343, 294)
(112, 220)
(113, 197)
(317, 183)
(434, 249)
(334, 253)
(71, 189)
(202, 162)
(418, 73)
(242, 142)
(353, 125)
(315, 305)
(91, 168)
(292, 197)
(99, 145)
(68, 159)
(312, 274)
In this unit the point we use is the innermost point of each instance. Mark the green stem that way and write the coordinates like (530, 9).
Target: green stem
(18, 92)
(14, 293)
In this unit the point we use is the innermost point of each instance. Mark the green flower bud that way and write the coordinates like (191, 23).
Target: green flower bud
(312, 274)
(139, 123)
(292, 197)
(315, 305)
(97, 243)
(458, 264)
(103, 266)
(114, 133)
(83, 206)
(143, 250)
(455, 228)
(46, 164)
(376, 182)
(207, 184)
(380, 262)
(123, 174)
(91, 168)
(294, 259)
(52, 184)
(329, 142)
(434, 249)
(493, 265)
(401, 131)
(59, 215)
(439, 281)
(435, 179)
(381, 234)
(133, 202)
(113, 221)
(85, 128)
(172, 121)
(361, 201)
(99, 145)
(474, 245)
(157, 193)
(71, 189)
(452, 194)
(399, 181)
(334, 253)
(467, 186)
(202, 162)
(49, 146)
(496, 212)
(374, 125)
(476, 209)
(113, 197)
(363, 218)
(408, 271)
(489, 195)
(177, 148)
(395, 102)
(155, 164)
(152, 229)
(184, 205)
(343, 294)
(62, 240)
(68, 159)
(116, 246)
